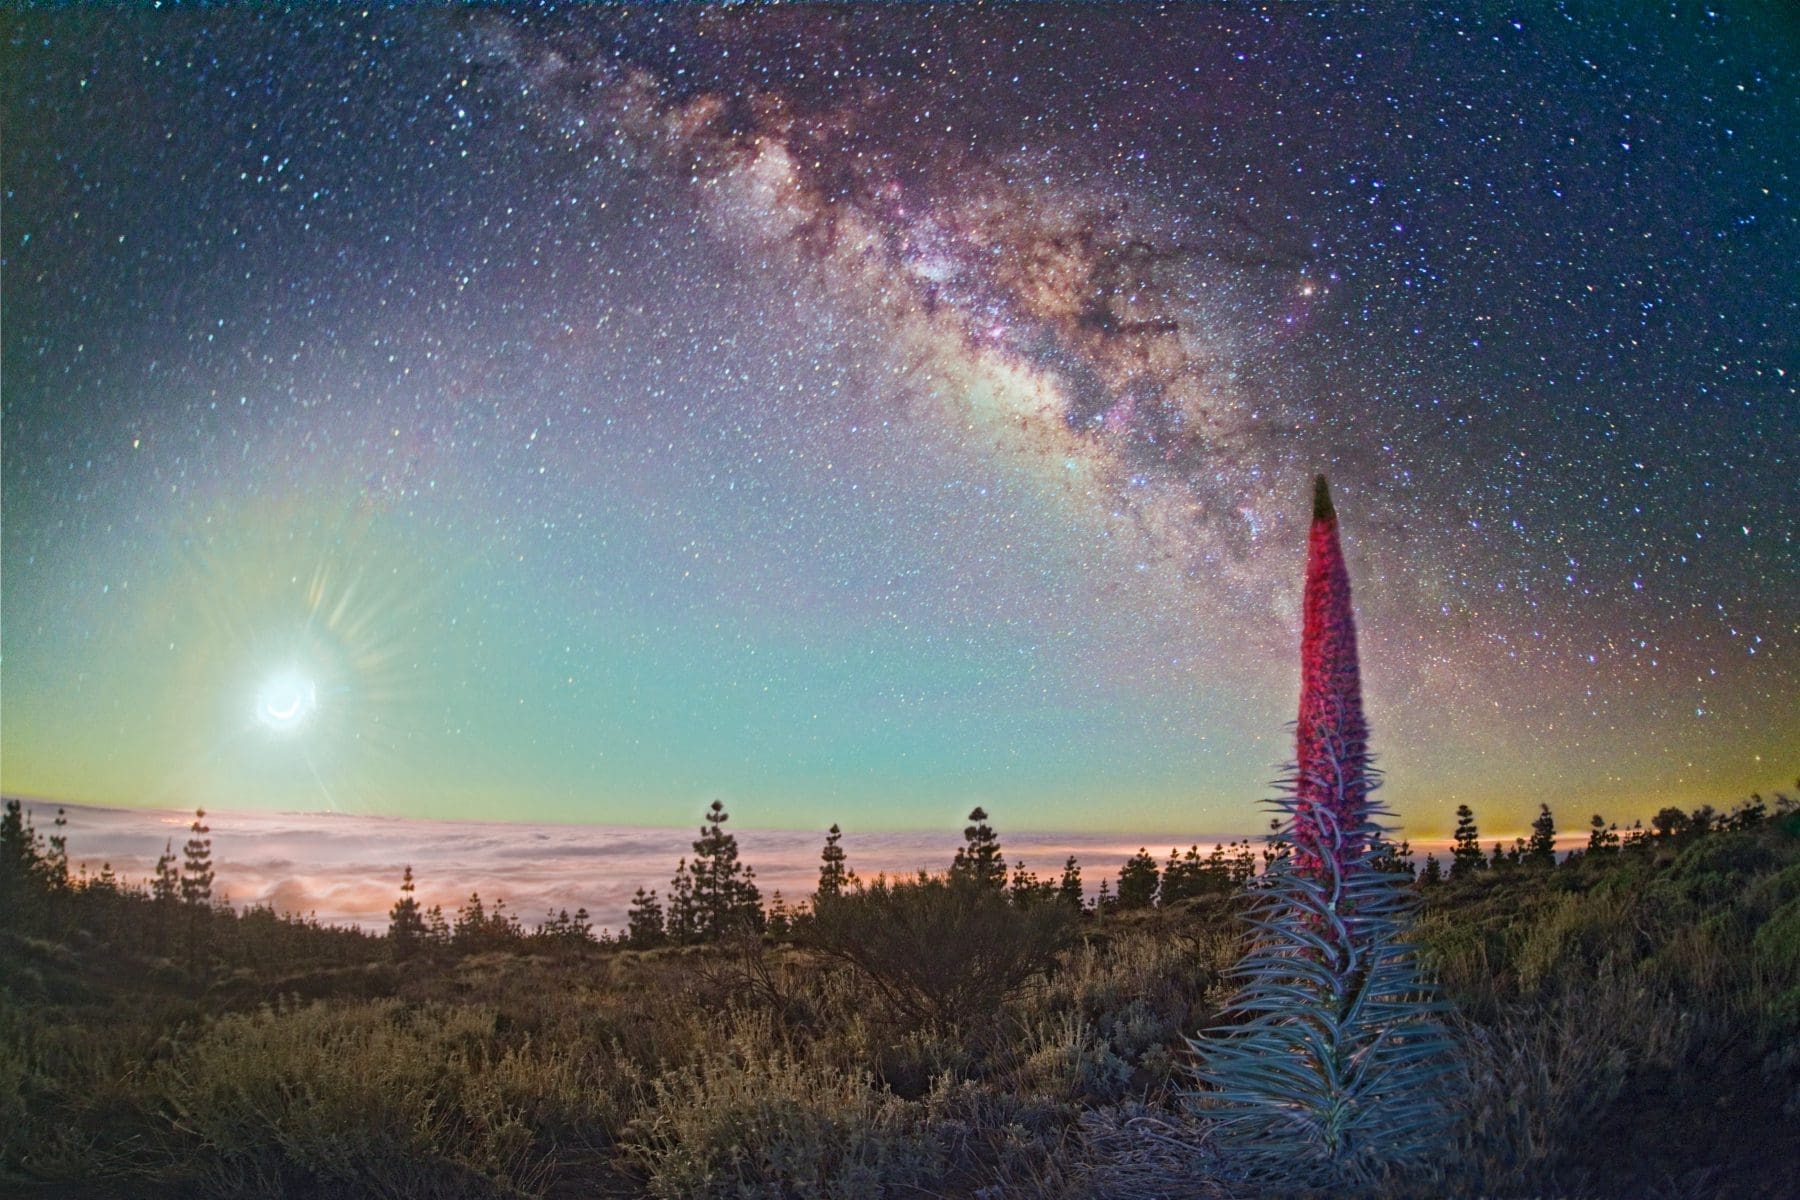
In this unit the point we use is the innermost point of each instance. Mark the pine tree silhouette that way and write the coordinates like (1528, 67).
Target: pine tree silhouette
(1069, 890)
(1466, 857)
(725, 892)
(196, 866)
(644, 921)
(1138, 881)
(406, 923)
(978, 860)
(834, 872)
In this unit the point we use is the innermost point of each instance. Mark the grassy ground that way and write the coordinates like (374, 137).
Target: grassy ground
(1629, 1027)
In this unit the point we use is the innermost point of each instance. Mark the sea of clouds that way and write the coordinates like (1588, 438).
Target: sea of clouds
(346, 869)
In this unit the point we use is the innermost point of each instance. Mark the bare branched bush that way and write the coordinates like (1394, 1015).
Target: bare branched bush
(939, 950)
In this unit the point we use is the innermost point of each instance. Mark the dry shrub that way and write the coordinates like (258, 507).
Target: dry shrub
(370, 1099)
(761, 1124)
(940, 949)
(1567, 938)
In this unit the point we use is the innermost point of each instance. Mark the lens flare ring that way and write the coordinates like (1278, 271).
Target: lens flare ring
(286, 701)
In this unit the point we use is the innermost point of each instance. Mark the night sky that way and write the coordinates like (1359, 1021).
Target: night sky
(860, 415)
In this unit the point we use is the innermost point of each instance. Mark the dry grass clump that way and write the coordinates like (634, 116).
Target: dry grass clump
(380, 1096)
(763, 1123)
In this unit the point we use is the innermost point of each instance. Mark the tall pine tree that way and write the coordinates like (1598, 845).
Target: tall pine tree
(682, 918)
(1540, 851)
(1466, 857)
(979, 860)
(1069, 890)
(406, 923)
(835, 875)
(725, 893)
(1138, 880)
(196, 865)
(644, 921)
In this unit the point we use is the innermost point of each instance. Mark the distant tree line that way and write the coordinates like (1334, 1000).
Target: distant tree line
(173, 919)
(1670, 830)
(713, 895)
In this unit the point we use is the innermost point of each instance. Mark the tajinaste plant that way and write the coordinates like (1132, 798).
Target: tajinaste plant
(1332, 1066)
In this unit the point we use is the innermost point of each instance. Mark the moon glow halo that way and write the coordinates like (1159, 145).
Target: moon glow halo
(286, 700)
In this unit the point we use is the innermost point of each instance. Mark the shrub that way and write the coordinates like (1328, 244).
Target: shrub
(757, 1124)
(1714, 868)
(374, 1098)
(1778, 946)
(939, 949)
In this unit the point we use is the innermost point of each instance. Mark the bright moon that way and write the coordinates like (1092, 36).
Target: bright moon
(286, 701)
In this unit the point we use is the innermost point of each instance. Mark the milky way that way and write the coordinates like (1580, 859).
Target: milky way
(863, 413)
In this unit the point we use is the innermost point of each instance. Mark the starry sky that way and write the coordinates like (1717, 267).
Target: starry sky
(862, 413)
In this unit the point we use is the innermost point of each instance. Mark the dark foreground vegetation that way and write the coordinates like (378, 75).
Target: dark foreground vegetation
(1627, 1023)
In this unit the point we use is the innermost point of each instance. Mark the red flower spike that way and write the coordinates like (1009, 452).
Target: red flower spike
(1332, 737)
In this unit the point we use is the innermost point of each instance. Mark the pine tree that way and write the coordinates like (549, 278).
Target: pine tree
(1540, 852)
(196, 884)
(1329, 1077)
(470, 930)
(1465, 847)
(1243, 865)
(55, 866)
(1213, 877)
(780, 922)
(1603, 839)
(165, 886)
(725, 892)
(978, 860)
(1138, 880)
(1182, 877)
(406, 924)
(1433, 873)
(1027, 888)
(196, 867)
(1069, 890)
(1669, 822)
(1394, 859)
(18, 845)
(835, 875)
(165, 895)
(682, 920)
(644, 921)
(20, 860)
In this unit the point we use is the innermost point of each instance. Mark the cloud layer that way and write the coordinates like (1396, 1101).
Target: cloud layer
(346, 869)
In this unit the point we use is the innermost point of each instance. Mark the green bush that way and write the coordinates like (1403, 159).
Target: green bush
(1778, 945)
(1716, 868)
